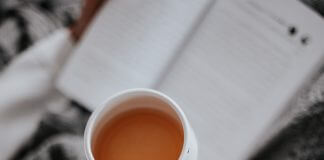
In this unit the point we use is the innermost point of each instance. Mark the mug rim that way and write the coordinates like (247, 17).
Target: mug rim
(127, 94)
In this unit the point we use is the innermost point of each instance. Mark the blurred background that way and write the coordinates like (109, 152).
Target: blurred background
(38, 121)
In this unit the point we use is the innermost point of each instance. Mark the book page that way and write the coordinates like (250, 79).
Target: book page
(129, 45)
(241, 68)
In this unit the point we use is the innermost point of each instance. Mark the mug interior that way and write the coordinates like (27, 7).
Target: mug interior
(132, 101)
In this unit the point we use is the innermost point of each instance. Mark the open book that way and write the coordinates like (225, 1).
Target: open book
(232, 65)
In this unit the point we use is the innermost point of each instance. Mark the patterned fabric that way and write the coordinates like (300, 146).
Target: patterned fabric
(303, 137)
(301, 140)
(23, 22)
(59, 134)
(317, 5)
(58, 137)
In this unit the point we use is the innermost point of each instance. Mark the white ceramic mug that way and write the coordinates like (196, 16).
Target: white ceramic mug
(137, 98)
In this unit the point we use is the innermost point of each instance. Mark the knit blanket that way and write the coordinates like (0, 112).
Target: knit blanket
(22, 23)
(59, 135)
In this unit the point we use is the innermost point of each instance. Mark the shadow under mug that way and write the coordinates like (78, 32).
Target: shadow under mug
(139, 97)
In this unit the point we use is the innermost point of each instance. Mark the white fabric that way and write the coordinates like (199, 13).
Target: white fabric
(26, 87)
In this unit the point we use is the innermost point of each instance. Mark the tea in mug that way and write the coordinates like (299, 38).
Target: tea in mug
(139, 134)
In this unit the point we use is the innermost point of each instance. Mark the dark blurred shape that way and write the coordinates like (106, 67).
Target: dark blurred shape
(305, 40)
(317, 5)
(292, 30)
(303, 139)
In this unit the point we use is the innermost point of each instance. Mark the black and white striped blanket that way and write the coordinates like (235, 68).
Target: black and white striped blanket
(22, 23)
(59, 134)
